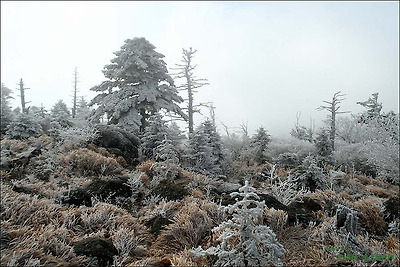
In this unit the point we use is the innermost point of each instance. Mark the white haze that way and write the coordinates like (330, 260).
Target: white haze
(265, 61)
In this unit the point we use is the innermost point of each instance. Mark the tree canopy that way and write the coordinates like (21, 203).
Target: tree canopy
(137, 86)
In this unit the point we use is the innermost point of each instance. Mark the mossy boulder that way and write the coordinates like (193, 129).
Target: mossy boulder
(102, 249)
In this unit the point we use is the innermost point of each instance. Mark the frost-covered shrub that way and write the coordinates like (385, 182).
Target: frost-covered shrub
(190, 225)
(22, 127)
(354, 158)
(77, 137)
(288, 190)
(288, 160)
(280, 146)
(86, 162)
(310, 175)
(205, 149)
(244, 241)
(167, 152)
(324, 146)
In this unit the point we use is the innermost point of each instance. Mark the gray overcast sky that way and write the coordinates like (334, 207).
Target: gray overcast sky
(265, 61)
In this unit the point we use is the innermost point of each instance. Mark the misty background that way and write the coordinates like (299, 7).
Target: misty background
(265, 61)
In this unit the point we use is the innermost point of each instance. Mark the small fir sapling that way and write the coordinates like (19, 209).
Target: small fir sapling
(22, 127)
(205, 149)
(244, 241)
(61, 114)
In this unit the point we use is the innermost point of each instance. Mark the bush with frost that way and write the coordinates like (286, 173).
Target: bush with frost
(243, 240)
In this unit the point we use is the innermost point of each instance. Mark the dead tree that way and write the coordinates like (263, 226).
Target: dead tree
(333, 108)
(74, 101)
(186, 71)
(21, 90)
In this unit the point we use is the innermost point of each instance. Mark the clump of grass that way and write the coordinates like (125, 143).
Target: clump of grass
(370, 215)
(87, 162)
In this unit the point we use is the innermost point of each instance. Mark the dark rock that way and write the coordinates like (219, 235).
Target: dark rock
(302, 211)
(78, 197)
(102, 249)
(119, 142)
(392, 208)
(346, 220)
(170, 190)
(156, 224)
(101, 189)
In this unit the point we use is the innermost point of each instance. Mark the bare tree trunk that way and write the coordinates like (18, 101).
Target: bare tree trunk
(22, 95)
(75, 93)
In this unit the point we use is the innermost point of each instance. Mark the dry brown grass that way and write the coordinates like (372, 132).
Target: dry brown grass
(190, 226)
(328, 200)
(277, 220)
(87, 162)
(370, 216)
(15, 146)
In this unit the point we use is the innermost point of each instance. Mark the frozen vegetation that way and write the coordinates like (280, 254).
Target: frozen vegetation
(117, 183)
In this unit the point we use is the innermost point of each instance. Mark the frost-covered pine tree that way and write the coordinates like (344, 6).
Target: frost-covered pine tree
(6, 112)
(373, 108)
(324, 146)
(155, 132)
(22, 127)
(61, 114)
(166, 152)
(258, 145)
(244, 241)
(137, 86)
(82, 109)
(205, 152)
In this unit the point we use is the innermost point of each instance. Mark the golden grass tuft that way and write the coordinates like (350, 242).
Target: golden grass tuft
(370, 216)
(87, 162)
(277, 220)
(193, 222)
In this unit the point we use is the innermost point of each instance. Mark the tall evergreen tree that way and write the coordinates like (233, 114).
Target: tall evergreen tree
(137, 86)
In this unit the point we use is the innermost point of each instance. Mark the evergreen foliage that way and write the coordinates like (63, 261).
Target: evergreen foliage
(22, 127)
(244, 241)
(324, 146)
(137, 86)
(205, 152)
(61, 114)
(259, 145)
(6, 112)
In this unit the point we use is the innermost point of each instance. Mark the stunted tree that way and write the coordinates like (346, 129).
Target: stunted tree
(186, 71)
(205, 149)
(244, 240)
(333, 109)
(61, 114)
(373, 108)
(138, 85)
(258, 145)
